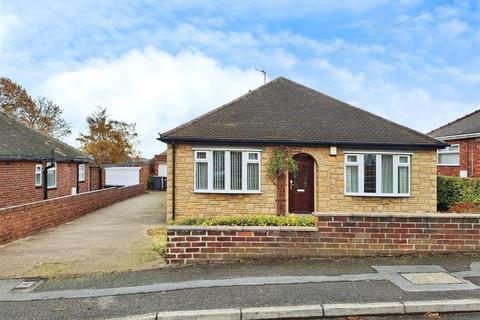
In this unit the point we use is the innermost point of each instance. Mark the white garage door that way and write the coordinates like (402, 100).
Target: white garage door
(162, 170)
(122, 176)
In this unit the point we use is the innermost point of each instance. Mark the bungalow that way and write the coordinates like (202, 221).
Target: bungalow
(35, 166)
(348, 159)
(462, 156)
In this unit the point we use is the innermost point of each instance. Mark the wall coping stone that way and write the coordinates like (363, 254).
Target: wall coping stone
(397, 214)
(9, 209)
(240, 228)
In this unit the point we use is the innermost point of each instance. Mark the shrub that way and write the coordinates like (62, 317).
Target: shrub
(257, 220)
(454, 190)
(150, 182)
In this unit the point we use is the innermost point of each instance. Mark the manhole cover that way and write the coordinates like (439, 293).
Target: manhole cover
(25, 285)
(431, 278)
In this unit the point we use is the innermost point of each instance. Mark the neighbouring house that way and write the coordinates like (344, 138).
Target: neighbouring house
(348, 159)
(462, 155)
(35, 166)
(160, 164)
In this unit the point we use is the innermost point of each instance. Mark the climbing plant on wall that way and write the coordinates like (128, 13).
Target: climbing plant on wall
(280, 164)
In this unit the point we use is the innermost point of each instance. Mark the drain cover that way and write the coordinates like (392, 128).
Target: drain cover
(431, 278)
(25, 285)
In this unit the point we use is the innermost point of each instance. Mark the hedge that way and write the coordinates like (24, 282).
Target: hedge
(454, 190)
(249, 220)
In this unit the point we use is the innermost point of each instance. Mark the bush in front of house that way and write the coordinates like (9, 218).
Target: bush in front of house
(249, 220)
(452, 191)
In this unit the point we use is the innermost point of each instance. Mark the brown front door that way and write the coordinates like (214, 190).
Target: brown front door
(300, 185)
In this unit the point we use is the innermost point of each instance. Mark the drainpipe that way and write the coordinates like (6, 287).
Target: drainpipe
(45, 173)
(173, 178)
(78, 178)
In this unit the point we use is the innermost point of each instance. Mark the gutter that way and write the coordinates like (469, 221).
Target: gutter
(43, 158)
(460, 136)
(438, 145)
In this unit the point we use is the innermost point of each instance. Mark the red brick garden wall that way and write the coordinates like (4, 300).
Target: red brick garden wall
(23, 220)
(335, 235)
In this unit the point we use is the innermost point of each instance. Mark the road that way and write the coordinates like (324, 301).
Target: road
(238, 296)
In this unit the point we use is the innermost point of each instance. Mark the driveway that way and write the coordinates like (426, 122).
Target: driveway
(111, 239)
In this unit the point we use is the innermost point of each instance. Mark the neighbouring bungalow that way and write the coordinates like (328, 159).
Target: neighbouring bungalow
(348, 159)
(462, 156)
(35, 166)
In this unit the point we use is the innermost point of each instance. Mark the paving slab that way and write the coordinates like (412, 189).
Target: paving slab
(430, 278)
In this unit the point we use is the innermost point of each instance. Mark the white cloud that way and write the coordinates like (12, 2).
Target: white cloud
(8, 21)
(152, 88)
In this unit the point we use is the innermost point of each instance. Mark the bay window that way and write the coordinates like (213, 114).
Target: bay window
(377, 174)
(227, 171)
(450, 156)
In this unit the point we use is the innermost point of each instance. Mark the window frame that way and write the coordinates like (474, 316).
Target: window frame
(447, 150)
(37, 172)
(81, 173)
(209, 160)
(54, 169)
(361, 172)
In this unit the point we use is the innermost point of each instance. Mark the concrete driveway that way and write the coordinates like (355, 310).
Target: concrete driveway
(111, 239)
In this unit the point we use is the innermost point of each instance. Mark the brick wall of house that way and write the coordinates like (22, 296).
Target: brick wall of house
(363, 234)
(17, 182)
(23, 220)
(145, 172)
(329, 186)
(469, 159)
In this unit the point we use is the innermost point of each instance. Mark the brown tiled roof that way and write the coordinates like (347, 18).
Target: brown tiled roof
(19, 142)
(467, 124)
(285, 112)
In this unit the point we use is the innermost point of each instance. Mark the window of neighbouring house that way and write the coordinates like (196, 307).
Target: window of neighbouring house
(450, 156)
(81, 172)
(38, 175)
(377, 174)
(227, 171)
(52, 175)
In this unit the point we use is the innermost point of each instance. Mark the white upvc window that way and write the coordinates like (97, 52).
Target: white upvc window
(81, 172)
(38, 175)
(377, 174)
(52, 175)
(227, 171)
(450, 156)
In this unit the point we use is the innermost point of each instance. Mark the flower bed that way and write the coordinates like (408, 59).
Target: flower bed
(248, 220)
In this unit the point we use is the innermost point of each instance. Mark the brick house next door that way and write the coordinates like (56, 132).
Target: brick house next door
(300, 185)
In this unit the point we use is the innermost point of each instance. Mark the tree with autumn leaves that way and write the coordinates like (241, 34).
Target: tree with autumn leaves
(108, 140)
(41, 114)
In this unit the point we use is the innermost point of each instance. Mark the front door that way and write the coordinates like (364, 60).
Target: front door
(300, 186)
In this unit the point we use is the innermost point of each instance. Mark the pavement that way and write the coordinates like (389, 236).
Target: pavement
(112, 239)
(246, 285)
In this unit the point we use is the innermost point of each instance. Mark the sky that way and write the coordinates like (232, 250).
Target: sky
(160, 63)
